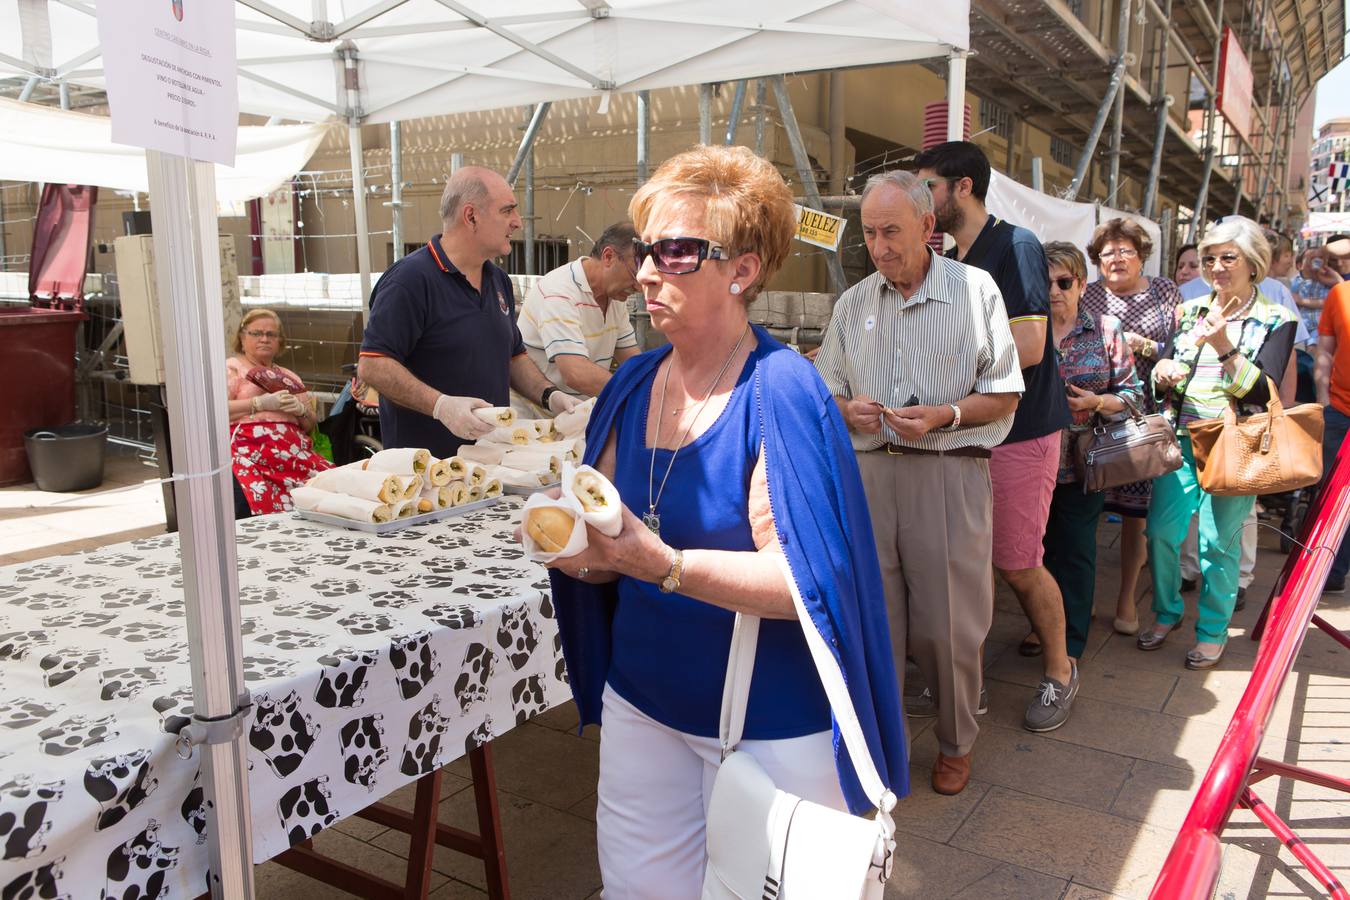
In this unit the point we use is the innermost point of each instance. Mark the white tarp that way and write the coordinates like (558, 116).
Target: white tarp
(42, 143)
(1054, 219)
(1326, 223)
(437, 57)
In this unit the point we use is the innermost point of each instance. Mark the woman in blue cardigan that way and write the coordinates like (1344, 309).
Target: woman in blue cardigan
(730, 457)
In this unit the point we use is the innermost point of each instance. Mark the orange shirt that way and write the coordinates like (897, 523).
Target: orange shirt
(1335, 322)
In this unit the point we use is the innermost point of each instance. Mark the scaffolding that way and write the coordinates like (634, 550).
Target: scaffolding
(1141, 68)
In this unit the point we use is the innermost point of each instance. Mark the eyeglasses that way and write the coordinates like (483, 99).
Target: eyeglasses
(1227, 259)
(678, 255)
(1119, 253)
(1064, 283)
(259, 335)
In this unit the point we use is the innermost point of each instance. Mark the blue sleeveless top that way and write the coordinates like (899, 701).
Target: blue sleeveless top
(670, 651)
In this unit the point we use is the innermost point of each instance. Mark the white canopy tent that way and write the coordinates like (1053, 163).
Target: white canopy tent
(375, 61)
(42, 143)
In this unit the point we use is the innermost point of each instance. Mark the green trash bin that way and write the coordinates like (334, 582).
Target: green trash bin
(67, 457)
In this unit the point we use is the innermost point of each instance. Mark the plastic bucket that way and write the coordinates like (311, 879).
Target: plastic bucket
(68, 457)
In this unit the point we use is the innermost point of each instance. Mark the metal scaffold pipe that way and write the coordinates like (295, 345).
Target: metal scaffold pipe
(705, 95)
(734, 120)
(1160, 129)
(527, 141)
(1094, 135)
(1118, 122)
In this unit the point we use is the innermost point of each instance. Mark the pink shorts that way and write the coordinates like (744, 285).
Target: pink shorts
(1023, 476)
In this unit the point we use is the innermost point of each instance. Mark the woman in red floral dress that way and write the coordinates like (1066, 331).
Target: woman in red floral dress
(270, 419)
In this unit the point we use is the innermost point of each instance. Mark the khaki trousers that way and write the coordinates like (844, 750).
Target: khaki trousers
(933, 521)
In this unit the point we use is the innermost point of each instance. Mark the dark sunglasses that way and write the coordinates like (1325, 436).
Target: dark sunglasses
(1064, 283)
(677, 255)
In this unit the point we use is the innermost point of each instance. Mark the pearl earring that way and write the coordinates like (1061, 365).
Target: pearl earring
(735, 288)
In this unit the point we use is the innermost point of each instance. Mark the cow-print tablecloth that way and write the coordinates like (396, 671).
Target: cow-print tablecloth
(372, 661)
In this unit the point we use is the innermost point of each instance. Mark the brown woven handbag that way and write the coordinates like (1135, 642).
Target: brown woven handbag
(1125, 448)
(1267, 453)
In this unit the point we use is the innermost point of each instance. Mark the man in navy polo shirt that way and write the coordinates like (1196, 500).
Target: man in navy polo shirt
(1024, 467)
(442, 339)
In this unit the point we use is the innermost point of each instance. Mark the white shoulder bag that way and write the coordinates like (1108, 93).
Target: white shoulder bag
(767, 844)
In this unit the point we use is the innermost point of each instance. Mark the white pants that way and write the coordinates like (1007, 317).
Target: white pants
(655, 785)
(1190, 551)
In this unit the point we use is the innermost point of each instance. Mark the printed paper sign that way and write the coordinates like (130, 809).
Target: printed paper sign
(170, 72)
(819, 228)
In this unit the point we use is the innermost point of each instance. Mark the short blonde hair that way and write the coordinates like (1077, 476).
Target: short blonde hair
(1062, 253)
(1251, 243)
(747, 206)
(252, 316)
(1120, 229)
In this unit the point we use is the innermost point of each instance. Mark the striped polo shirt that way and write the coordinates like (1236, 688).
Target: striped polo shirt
(950, 339)
(560, 317)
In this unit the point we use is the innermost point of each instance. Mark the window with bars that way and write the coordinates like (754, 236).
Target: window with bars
(548, 255)
(995, 118)
(1062, 152)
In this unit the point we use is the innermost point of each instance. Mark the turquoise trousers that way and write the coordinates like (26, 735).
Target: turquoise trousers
(1176, 497)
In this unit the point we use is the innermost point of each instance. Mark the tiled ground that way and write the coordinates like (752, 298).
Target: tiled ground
(1088, 811)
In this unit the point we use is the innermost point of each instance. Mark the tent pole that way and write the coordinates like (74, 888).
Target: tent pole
(396, 189)
(527, 141)
(733, 120)
(705, 94)
(187, 278)
(838, 280)
(838, 141)
(643, 116)
(1160, 130)
(351, 83)
(29, 86)
(956, 95)
(64, 87)
(456, 162)
(529, 212)
(362, 225)
(761, 112)
(1038, 174)
(1118, 120)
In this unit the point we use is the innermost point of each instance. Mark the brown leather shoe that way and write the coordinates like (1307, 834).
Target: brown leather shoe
(951, 774)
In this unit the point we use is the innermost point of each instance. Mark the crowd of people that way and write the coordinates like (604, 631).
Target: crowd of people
(928, 444)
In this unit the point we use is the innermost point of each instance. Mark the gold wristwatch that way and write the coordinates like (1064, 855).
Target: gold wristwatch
(671, 583)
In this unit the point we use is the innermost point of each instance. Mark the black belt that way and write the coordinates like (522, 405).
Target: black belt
(898, 450)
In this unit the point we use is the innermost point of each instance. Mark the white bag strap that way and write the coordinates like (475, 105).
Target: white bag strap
(736, 694)
(736, 688)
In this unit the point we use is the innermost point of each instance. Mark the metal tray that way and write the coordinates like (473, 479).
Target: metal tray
(398, 524)
(527, 491)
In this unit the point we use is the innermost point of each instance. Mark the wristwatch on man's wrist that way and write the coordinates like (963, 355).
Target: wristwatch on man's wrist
(548, 392)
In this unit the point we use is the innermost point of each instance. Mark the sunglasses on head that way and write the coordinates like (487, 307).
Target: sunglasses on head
(1065, 283)
(678, 255)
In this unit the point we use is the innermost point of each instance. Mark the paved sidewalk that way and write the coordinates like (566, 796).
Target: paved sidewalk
(1088, 811)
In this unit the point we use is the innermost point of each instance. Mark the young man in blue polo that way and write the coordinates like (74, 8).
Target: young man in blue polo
(442, 339)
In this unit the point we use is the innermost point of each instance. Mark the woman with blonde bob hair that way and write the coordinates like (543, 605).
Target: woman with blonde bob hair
(1227, 347)
(270, 419)
(731, 450)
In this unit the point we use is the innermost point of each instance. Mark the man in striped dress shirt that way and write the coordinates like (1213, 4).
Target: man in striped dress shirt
(1025, 466)
(574, 321)
(923, 366)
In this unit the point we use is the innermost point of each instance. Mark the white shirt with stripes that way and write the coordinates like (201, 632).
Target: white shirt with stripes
(950, 339)
(560, 316)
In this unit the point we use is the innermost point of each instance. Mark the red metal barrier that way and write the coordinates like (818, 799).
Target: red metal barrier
(1191, 871)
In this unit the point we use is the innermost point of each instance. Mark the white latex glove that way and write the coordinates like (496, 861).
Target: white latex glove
(456, 414)
(275, 402)
(561, 402)
(293, 405)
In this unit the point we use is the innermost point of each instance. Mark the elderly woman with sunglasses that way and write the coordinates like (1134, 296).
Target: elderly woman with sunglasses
(1146, 308)
(1098, 371)
(269, 424)
(1227, 347)
(731, 450)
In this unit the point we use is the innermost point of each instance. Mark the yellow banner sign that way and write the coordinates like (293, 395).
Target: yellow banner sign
(819, 228)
